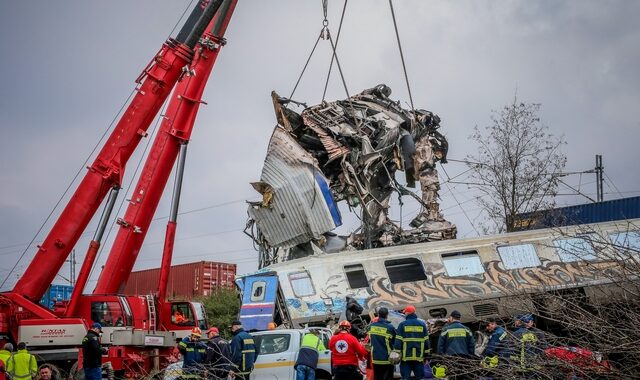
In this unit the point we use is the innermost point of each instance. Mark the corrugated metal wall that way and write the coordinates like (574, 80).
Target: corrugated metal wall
(185, 280)
(617, 209)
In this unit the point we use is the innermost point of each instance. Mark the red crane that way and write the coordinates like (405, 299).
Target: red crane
(174, 133)
(21, 317)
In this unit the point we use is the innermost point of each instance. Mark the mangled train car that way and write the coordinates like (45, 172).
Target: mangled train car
(496, 275)
(346, 151)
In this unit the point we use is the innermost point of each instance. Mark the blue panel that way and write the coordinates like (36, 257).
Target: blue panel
(618, 209)
(258, 302)
(56, 293)
(328, 198)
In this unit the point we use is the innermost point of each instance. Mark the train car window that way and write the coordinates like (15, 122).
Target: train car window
(405, 270)
(257, 291)
(629, 241)
(356, 276)
(518, 256)
(462, 263)
(574, 249)
(301, 284)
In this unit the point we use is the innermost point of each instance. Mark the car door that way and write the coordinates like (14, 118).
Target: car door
(276, 357)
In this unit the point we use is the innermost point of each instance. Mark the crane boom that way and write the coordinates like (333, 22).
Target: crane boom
(107, 170)
(175, 130)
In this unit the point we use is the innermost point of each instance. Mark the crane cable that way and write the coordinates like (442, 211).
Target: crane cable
(404, 67)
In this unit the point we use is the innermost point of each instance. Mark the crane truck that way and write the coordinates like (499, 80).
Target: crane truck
(138, 330)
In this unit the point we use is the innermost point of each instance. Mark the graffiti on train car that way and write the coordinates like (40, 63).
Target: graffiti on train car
(495, 281)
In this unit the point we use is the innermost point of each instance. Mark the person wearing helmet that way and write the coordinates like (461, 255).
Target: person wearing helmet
(528, 345)
(243, 352)
(412, 341)
(218, 356)
(345, 353)
(193, 352)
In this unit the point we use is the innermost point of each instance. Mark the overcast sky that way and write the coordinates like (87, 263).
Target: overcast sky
(68, 66)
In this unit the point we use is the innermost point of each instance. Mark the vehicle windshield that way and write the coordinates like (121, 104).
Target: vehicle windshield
(201, 315)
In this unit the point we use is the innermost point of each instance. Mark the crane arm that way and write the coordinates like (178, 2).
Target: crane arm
(175, 130)
(107, 170)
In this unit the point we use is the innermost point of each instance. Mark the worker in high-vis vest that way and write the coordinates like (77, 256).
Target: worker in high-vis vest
(243, 352)
(22, 365)
(308, 356)
(412, 340)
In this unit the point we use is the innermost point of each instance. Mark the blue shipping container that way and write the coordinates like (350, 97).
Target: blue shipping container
(617, 209)
(56, 293)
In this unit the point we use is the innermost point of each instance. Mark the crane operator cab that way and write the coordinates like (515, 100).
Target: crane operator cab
(142, 313)
(185, 316)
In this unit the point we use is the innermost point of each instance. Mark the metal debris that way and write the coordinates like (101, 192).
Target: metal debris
(347, 150)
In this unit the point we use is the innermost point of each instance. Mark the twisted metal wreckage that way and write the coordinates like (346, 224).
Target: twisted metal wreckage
(346, 150)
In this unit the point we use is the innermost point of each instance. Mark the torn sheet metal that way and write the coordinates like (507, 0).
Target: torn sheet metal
(348, 150)
(297, 205)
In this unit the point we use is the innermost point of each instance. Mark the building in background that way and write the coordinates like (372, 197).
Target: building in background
(185, 280)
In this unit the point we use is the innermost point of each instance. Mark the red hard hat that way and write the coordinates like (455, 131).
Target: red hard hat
(410, 309)
(345, 324)
(196, 331)
(213, 330)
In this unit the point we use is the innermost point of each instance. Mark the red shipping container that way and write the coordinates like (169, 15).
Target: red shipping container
(185, 280)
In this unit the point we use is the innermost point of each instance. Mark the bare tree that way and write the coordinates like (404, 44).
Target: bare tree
(518, 164)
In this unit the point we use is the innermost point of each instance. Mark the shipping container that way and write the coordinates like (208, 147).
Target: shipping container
(56, 293)
(185, 280)
(608, 211)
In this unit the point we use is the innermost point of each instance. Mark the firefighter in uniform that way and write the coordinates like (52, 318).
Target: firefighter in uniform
(243, 352)
(457, 341)
(345, 353)
(193, 353)
(382, 338)
(528, 345)
(497, 350)
(412, 340)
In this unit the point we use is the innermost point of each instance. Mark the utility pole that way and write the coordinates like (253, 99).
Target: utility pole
(599, 178)
(72, 267)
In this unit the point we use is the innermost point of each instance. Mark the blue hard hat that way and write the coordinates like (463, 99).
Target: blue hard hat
(96, 325)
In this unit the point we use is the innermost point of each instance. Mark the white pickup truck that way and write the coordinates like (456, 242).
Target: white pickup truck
(278, 353)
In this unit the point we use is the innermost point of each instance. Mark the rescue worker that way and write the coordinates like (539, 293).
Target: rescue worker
(456, 339)
(218, 356)
(22, 365)
(382, 336)
(193, 352)
(497, 350)
(345, 353)
(5, 354)
(412, 340)
(528, 345)
(243, 352)
(308, 356)
(92, 353)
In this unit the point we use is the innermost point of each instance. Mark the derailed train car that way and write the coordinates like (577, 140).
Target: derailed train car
(495, 275)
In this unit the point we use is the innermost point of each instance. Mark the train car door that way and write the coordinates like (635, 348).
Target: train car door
(258, 301)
